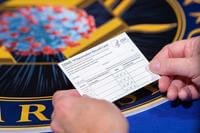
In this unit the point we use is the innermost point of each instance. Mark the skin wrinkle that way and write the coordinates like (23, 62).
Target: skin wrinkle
(187, 50)
(170, 53)
(196, 52)
(83, 108)
(181, 58)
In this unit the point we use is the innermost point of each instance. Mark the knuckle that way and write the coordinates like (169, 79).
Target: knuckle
(56, 95)
(197, 40)
(55, 127)
(59, 104)
(65, 104)
(195, 66)
(52, 125)
(60, 99)
(194, 46)
(60, 112)
(59, 108)
(167, 47)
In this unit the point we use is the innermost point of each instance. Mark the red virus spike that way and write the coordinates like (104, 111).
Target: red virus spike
(56, 33)
(1, 42)
(4, 30)
(41, 8)
(3, 22)
(65, 37)
(14, 34)
(81, 13)
(78, 19)
(91, 21)
(24, 53)
(58, 9)
(85, 35)
(50, 18)
(9, 14)
(35, 45)
(47, 26)
(71, 43)
(64, 19)
(47, 50)
(24, 12)
(24, 29)
(61, 49)
(66, 42)
(29, 39)
(75, 28)
(91, 29)
(13, 44)
(33, 20)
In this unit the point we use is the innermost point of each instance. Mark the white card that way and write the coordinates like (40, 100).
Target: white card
(109, 71)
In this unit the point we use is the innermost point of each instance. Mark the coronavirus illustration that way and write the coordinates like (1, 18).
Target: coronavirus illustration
(44, 29)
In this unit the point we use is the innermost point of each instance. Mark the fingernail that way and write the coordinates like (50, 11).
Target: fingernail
(154, 66)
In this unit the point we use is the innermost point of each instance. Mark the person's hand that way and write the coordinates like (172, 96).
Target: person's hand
(75, 114)
(179, 66)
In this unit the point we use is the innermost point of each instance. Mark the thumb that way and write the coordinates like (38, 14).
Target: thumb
(173, 66)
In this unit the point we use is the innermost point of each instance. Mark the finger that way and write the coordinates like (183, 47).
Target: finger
(64, 94)
(196, 80)
(72, 92)
(185, 94)
(178, 83)
(175, 66)
(192, 48)
(52, 115)
(172, 92)
(164, 83)
(177, 49)
(56, 127)
(195, 94)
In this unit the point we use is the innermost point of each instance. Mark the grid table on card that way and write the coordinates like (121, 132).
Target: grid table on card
(110, 70)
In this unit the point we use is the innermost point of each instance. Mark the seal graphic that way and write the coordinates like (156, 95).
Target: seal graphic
(30, 49)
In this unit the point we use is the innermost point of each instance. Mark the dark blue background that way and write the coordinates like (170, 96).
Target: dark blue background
(170, 117)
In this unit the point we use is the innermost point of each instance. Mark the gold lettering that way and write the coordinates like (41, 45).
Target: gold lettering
(194, 32)
(127, 100)
(152, 89)
(196, 15)
(25, 112)
(188, 2)
(1, 120)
